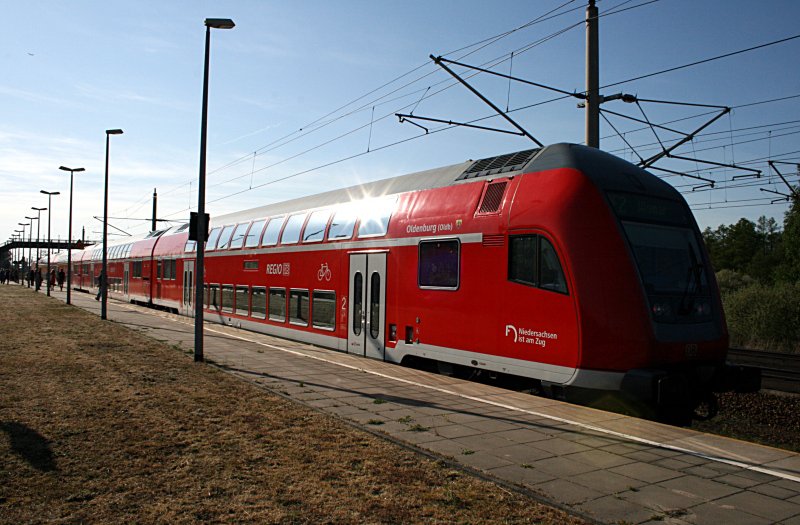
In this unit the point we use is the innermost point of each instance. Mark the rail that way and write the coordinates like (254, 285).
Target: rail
(779, 371)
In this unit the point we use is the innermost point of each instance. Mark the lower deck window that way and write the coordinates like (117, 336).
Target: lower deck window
(227, 298)
(242, 300)
(258, 303)
(298, 307)
(277, 304)
(323, 310)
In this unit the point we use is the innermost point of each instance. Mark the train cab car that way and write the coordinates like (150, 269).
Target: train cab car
(168, 280)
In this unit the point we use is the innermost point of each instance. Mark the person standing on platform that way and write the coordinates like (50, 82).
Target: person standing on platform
(61, 277)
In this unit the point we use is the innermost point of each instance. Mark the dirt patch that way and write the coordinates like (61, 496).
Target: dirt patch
(100, 424)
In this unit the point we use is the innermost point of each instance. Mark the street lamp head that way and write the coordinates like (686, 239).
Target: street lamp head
(113, 132)
(64, 168)
(220, 23)
(31, 218)
(37, 209)
(50, 192)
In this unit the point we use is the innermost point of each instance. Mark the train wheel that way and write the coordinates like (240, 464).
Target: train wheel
(707, 408)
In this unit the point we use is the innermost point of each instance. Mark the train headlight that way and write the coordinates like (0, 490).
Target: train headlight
(661, 309)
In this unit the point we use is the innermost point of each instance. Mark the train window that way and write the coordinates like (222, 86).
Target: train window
(323, 310)
(272, 231)
(251, 265)
(551, 276)
(375, 305)
(291, 233)
(227, 298)
(315, 228)
(439, 264)
(237, 241)
(532, 260)
(207, 290)
(212, 238)
(258, 303)
(254, 234)
(277, 304)
(242, 300)
(374, 215)
(298, 307)
(190, 246)
(174, 268)
(137, 269)
(225, 237)
(522, 259)
(158, 270)
(213, 298)
(343, 223)
(358, 307)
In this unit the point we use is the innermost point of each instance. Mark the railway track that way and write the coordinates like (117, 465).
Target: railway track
(779, 372)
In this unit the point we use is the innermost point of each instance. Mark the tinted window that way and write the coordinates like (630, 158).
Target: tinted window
(254, 235)
(438, 264)
(298, 307)
(522, 259)
(237, 240)
(375, 305)
(358, 307)
(315, 228)
(648, 209)
(258, 306)
(291, 233)
(272, 232)
(227, 298)
(533, 261)
(375, 216)
(323, 310)
(551, 276)
(212, 238)
(342, 224)
(242, 306)
(277, 304)
(225, 237)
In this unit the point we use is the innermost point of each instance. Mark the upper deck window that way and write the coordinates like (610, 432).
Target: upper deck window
(374, 215)
(237, 240)
(225, 237)
(212, 238)
(343, 223)
(291, 233)
(190, 246)
(315, 228)
(254, 234)
(272, 232)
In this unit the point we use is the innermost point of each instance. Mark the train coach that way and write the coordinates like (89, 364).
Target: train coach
(564, 264)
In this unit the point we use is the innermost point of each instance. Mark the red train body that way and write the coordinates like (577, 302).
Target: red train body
(563, 264)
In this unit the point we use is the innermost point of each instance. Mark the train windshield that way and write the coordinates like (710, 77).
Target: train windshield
(668, 257)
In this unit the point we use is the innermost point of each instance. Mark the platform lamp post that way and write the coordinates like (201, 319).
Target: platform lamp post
(24, 225)
(69, 235)
(38, 231)
(20, 236)
(49, 238)
(30, 244)
(104, 271)
(202, 227)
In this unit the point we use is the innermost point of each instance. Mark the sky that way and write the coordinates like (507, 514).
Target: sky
(303, 95)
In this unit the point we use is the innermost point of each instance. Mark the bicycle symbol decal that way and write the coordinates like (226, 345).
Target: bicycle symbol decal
(324, 272)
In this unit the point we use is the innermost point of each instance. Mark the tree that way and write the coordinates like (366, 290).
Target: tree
(789, 269)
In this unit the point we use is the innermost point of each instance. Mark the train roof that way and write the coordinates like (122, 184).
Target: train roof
(605, 170)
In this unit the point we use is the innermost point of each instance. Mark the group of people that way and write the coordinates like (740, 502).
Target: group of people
(7, 275)
(34, 276)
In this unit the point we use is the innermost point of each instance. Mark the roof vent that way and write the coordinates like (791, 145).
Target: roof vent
(492, 197)
(501, 164)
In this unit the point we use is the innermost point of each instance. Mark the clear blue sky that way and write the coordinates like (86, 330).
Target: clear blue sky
(74, 69)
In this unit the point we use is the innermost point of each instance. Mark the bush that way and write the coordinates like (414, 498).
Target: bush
(763, 317)
(730, 281)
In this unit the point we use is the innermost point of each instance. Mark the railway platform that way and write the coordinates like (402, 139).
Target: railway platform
(607, 467)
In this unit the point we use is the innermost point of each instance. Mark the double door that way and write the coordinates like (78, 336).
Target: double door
(187, 301)
(367, 312)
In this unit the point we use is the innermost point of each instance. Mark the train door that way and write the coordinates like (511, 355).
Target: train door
(188, 288)
(125, 279)
(367, 311)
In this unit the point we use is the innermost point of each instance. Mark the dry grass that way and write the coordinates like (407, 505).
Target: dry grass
(100, 424)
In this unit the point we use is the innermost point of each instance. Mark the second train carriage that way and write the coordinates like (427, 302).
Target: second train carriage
(564, 264)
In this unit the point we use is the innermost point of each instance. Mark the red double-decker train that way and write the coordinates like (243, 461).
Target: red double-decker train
(563, 264)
